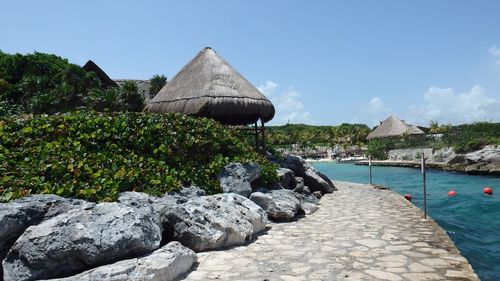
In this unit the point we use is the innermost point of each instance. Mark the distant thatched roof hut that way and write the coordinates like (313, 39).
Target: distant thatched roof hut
(208, 86)
(392, 127)
(105, 80)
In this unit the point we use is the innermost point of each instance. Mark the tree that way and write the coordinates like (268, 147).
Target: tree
(104, 100)
(378, 148)
(434, 127)
(44, 83)
(130, 97)
(156, 83)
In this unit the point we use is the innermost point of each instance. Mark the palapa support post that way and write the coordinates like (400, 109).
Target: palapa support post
(424, 185)
(263, 133)
(370, 165)
(256, 135)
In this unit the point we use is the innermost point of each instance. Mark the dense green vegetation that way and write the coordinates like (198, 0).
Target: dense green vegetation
(463, 138)
(44, 83)
(308, 136)
(470, 137)
(94, 156)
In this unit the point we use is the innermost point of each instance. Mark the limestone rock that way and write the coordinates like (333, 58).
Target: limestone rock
(158, 206)
(484, 161)
(187, 193)
(167, 263)
(306, 190)
(308, 208)
(81, 238)
(287, 178)
(315, 180)
(17, 216)
(317, 194)
(143, 200)
(296, 164)
(280, 205)
(299, 184)
(308, 203)
(212, 222)
(237, 178)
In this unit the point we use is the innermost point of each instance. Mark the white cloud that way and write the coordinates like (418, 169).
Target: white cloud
(376, 107)
(495, 52)
(268, 88)
(445, 106)
(288, 105)
(374, 112)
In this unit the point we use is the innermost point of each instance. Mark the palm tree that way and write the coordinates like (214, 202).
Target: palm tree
(156, 83)
(434, 127)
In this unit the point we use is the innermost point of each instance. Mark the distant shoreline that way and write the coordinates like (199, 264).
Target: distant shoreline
(431, 165)
(408, 164)
(320, 160)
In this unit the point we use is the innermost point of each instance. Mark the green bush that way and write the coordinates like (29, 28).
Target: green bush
(95, 156)
(378, 148)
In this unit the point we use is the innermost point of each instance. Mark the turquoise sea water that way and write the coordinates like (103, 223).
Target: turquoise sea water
(471, 219)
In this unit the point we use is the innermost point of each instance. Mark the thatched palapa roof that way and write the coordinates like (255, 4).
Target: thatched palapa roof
(105, 80)
(208, 86)
(393, 126)
(414, 130)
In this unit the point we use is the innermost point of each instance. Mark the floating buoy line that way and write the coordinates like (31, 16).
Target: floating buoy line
(452, 193)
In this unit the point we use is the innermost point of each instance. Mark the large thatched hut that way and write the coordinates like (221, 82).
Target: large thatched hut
(393, 127)
(208, 86)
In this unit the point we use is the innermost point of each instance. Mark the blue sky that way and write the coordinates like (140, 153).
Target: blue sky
(320, 62)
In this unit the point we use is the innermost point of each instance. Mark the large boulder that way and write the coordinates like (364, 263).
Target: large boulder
(80, 239)
(167, 263)
(308, 203)
(299, 186)
(143, 200)
(295, 163)
(280, 205)
(315, 180)
(212, 222)
(237, 178)
(186, 193)
(17, 216)
(287, 178)
(159, 206)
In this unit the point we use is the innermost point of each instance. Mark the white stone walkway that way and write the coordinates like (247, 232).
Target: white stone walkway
(359, 233)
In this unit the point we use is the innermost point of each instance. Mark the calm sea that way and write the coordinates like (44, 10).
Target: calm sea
(471, 219)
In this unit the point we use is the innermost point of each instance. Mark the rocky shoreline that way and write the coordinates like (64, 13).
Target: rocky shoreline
(481, 162)
(140, 237)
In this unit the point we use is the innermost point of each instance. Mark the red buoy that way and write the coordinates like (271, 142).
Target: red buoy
(488, 190)
(452, 193)
(408, 197)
